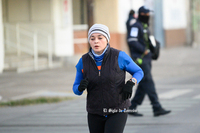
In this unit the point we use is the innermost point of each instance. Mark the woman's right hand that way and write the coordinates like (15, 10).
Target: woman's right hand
(83, 85)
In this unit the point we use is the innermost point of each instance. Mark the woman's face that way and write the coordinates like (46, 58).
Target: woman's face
(98, 43)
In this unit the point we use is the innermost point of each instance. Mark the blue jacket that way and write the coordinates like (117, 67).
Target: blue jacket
(106, 75)
(125, 63)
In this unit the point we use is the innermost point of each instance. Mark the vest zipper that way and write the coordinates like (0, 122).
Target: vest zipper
(96, 65)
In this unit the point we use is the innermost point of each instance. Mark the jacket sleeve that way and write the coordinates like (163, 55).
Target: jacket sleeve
(126, 63)
(133, 39)
(78, 78)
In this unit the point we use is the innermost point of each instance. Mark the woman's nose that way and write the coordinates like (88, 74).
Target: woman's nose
(96, 40)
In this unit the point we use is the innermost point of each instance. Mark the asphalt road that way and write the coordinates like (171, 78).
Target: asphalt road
(177, 78)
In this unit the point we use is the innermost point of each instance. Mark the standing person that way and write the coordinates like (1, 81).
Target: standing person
(101, 72)
(131, 20)
(138, 41)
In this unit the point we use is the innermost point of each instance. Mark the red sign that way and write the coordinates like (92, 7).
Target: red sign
(66, 5)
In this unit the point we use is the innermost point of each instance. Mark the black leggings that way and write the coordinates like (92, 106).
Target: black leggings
(113, 123)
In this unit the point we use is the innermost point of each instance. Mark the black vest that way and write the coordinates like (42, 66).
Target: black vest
(103, 92)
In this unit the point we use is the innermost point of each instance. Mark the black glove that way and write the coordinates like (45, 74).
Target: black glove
(127, 90)
(83, 85)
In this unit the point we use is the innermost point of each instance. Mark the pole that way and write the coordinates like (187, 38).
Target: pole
(18, 40)
(50, 58)
(90, 14)
(191, 23)
(35, 51)
(82, 11)
(2, 52)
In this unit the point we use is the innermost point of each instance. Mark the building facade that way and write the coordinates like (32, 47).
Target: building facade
(64, 25)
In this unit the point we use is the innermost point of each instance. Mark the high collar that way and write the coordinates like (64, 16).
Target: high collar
(99, 58)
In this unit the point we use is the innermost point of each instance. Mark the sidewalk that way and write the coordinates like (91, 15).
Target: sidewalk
(55, 82)
(182, 61)
(71, 116)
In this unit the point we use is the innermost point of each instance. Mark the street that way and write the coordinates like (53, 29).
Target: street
(177, 80)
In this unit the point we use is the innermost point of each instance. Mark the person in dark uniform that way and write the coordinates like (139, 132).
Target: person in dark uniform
(138, 42)
(131, 20)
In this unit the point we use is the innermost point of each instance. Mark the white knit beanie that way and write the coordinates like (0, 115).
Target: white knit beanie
(99, 28)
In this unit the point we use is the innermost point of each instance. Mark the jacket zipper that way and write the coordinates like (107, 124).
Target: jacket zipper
(95, 64)
(97, 68)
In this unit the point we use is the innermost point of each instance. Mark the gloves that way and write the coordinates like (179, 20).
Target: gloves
(83, 85)
(127, 90)
(138, 61)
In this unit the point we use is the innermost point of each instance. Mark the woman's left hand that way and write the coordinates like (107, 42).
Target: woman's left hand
(127, 90)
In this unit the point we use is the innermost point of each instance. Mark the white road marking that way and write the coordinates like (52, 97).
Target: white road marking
(196, 97)
(174, 93)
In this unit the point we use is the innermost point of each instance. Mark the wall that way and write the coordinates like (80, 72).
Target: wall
(27, 11)
(76, 12)
(106, 12)
(17, 12)
(40, 10)
(174, 22)
(175, 37)
(79, 12)
(63, 27)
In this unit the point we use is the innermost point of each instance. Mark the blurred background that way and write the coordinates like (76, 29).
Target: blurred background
(42, 34)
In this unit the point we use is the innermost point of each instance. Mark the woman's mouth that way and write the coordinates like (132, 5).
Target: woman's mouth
(96, 46)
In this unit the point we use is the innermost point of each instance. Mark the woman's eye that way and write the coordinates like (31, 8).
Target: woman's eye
(100, 38)
(92, 39)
